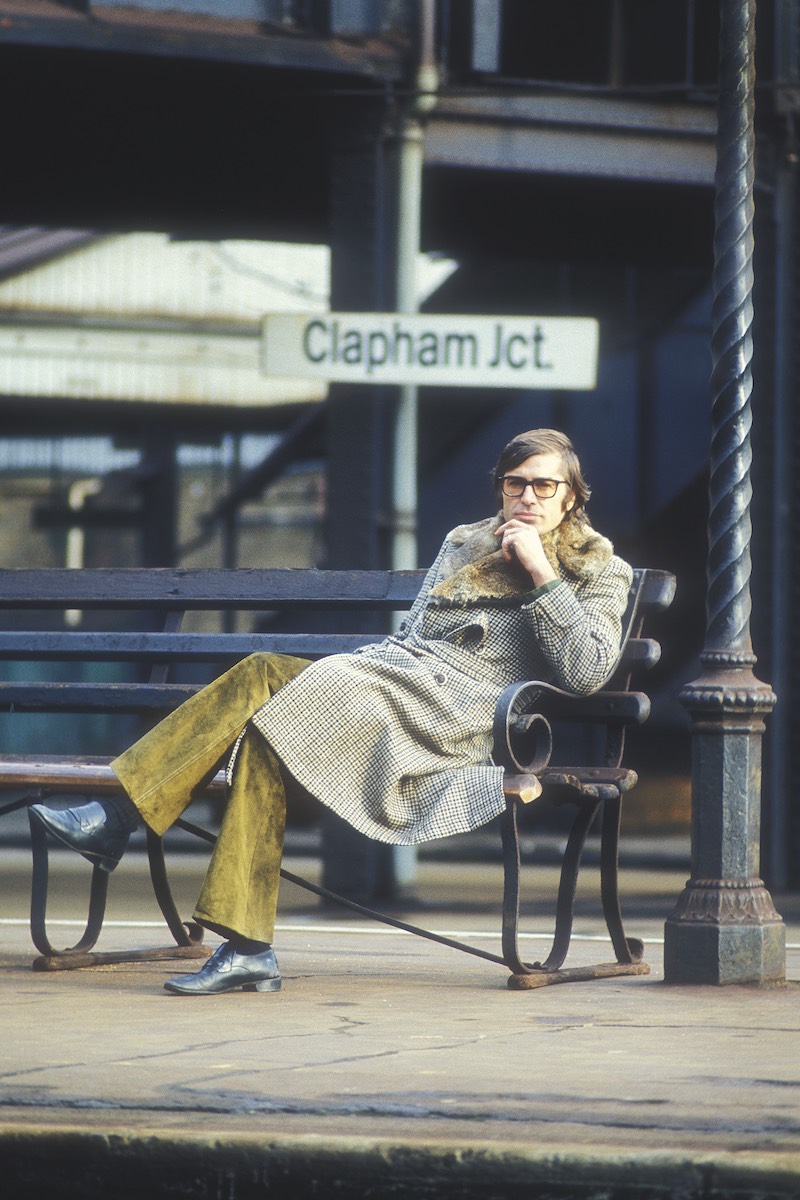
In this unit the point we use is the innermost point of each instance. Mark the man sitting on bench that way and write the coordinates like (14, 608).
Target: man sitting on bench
(396, 737)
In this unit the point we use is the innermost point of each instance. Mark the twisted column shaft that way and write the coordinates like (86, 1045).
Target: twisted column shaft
(724, 928)
(730, 492)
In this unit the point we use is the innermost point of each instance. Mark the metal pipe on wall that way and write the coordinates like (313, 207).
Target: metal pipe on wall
(410, 161)
(410, 154)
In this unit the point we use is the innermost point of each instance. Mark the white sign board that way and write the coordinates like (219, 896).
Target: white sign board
(437, 350)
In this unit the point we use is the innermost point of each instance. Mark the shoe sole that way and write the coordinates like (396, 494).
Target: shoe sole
(263, 985)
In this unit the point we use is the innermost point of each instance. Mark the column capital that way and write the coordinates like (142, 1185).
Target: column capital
(727, 687)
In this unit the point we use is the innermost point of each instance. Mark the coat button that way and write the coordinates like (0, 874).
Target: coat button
(439, 679)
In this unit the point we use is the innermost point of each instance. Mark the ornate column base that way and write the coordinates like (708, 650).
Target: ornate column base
(725, 931)
(724, 928)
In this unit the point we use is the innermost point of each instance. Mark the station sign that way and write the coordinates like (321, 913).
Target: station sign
(433, 349)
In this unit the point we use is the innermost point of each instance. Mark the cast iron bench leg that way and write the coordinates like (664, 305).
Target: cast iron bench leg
(39, 881)
(627, 950)
(566, 890)
(509, 835)
(188, 936)
(185, 933)
(568, 883)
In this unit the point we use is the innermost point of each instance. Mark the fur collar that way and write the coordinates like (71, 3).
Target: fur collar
(474, 569)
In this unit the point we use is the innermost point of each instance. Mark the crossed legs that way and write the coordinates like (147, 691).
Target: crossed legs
(163, 770)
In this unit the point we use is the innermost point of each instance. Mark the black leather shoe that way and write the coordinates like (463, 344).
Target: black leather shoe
(226, 970)
(92, 829)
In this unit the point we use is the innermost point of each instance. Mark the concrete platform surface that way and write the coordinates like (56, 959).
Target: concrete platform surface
(387, 1065)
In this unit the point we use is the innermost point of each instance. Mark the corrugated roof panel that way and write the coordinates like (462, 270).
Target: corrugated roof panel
(148, 275)
(68, 362)
(143, 318)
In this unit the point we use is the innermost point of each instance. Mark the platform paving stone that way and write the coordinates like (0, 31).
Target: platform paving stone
(389, 1066)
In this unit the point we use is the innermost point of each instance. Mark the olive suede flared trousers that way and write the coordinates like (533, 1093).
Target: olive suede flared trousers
(168, 766)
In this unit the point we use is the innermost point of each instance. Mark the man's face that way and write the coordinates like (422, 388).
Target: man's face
(544, 513)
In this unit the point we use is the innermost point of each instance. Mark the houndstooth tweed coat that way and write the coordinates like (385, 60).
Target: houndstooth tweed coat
(396, 737)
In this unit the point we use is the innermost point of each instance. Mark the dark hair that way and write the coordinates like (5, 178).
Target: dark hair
(544, 441)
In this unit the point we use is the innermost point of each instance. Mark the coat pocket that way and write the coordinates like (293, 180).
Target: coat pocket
(467, 631)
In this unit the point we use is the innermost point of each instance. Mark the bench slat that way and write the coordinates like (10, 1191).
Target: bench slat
(597, 782)
(163, 588)
(241, 588)
(65, 645)
(640, 652)
(628, 707)
(90, 772)
(657, 588)
(94, 697)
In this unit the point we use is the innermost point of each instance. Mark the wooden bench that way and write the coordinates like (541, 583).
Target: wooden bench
(156, 602)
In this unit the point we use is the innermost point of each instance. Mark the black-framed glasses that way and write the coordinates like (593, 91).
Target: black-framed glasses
(514, 486)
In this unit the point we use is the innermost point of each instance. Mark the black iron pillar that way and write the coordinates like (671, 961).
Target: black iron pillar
(358, 439)
(358, 426)
(725, 928)
(159, 496)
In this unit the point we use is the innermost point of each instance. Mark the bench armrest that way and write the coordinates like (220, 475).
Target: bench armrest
(522, 733)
